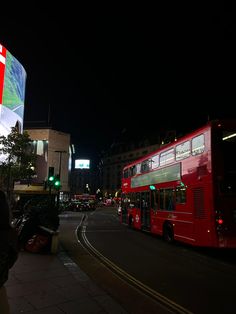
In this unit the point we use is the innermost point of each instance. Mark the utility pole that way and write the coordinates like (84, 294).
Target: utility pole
(60, 152)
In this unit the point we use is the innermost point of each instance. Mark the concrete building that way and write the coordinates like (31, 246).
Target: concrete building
(53, 150)
(112, 163)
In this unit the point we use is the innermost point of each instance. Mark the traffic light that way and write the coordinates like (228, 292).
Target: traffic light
(57, 182)
(51, 179)
(51, 176)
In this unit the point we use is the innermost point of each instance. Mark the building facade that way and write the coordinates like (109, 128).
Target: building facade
(125, 150)
(52, 149)
(113, 162)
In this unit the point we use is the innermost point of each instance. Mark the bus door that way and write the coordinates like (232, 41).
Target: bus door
(145, 210)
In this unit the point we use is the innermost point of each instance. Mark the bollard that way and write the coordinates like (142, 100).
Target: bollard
(54, 238)
(54, 242)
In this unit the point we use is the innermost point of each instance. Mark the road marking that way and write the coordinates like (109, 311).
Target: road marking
(176, 308)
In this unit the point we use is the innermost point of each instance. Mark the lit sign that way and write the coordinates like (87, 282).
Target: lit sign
(12, 93)
(167, 174)
(82, 164)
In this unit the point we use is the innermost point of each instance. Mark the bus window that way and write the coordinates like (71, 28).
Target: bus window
(162, 199)
(145, 209)
(155, 161)
(132, 171)
(132, 200)
(228, 148)
(144, 199)
(170, 199)
(146, 165)
(126, 200)
(182, 150)
(198, 144)
(137, 203)
(167, 199)
(167, 157)
(181, 194)
(138, 168)
(154, 199)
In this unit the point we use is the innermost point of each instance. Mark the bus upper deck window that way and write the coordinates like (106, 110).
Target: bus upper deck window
(198, 144)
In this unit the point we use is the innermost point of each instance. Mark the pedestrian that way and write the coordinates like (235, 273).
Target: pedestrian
(8, 250)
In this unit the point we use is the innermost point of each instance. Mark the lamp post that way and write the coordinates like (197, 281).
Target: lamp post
(60, 152)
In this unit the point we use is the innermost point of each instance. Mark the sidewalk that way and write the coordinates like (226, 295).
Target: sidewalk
(54, 284)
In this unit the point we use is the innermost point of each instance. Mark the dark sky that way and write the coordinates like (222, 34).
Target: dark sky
(104, 69)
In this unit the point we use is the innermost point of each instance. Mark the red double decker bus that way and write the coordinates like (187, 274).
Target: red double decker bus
(186, 190)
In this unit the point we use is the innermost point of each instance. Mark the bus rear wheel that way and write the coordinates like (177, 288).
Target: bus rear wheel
(168, 233)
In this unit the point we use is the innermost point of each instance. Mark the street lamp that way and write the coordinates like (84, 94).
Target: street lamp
(60, 152)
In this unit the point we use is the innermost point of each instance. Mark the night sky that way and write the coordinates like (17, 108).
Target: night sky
(100, 70)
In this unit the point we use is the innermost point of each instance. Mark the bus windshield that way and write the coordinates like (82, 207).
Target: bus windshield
(228, 148)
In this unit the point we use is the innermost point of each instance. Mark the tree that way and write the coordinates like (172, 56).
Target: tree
(19, 162)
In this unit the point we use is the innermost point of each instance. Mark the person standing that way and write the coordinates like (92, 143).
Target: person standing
(8, 250)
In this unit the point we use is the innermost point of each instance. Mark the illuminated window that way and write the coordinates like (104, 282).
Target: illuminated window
(181, 194)
(198, 144)
(138, 168)
(146, 165)
(167, 157)
(167, 199)
(182, 150)
(155, 161)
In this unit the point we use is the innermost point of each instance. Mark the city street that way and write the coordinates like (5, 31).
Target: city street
(183, 279)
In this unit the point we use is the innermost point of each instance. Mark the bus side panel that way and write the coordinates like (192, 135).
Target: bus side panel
(203, 215)
(155, 223)
(182, 220)
(157, 220)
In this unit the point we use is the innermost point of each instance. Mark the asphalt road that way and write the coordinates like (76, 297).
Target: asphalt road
(189, 279)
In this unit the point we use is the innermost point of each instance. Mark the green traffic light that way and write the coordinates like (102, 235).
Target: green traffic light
(57, 183)
(51, 178)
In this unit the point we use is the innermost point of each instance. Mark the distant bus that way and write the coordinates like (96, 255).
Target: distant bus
(186, 190)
